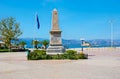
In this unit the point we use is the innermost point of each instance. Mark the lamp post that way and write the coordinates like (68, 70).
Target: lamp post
(111, 25)
(82, 40)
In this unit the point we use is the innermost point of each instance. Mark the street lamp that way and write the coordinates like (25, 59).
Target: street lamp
(111, 25)
(82, 40)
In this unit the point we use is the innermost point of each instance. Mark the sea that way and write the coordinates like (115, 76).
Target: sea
(76, 43)
(74, 46)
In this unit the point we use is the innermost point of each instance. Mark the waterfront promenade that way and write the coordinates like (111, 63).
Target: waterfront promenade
(103, 63)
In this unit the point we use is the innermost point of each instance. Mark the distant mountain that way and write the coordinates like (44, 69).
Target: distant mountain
(104, 42)
(77, 43)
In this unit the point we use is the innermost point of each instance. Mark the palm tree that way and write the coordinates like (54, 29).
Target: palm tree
(35, 43)
(22, 44)
(45, 43)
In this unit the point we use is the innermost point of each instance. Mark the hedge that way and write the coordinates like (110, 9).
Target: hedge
(69, 54)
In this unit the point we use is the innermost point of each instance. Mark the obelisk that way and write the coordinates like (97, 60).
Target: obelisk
(55, 46)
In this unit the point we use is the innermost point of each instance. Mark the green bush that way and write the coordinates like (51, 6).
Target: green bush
(48, 57)
(62, 56)
(82, 56)
(58, 56)
(69, 54)
(36, 55)
(54, 56)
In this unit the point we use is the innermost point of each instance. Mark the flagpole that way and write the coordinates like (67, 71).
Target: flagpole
(36, 23)
(34, 29)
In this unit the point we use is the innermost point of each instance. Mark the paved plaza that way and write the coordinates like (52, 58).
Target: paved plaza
(102, 64)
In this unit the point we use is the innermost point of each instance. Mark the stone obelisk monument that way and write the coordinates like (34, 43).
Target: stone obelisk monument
(55, 46)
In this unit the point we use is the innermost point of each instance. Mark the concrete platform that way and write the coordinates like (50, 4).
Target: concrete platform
(102, 64)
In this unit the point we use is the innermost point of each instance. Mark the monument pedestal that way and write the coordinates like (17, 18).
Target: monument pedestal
(55, 50)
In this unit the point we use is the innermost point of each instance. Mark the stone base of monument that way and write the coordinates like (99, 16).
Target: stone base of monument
(55, 50)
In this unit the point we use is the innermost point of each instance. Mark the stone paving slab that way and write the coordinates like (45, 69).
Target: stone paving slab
(98, 66)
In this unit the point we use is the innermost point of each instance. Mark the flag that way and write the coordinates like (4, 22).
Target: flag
(38, 24)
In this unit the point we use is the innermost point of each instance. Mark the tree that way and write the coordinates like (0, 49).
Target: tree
(35, 43)
(9, 30)
(45, 43)
(22, 44)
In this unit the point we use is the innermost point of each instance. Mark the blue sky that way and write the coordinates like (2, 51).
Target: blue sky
(88, 19)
